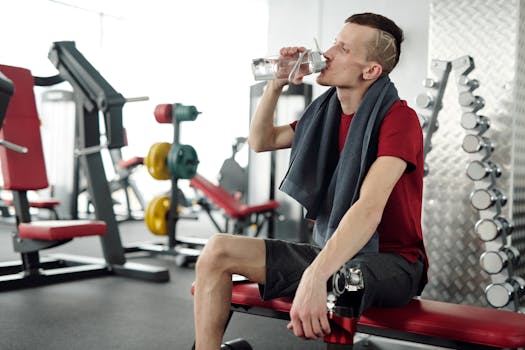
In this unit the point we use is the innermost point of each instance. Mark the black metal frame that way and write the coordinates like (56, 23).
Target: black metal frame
(93, 94)
(6, 91)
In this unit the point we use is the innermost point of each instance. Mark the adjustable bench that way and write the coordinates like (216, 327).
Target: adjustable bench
(244, 215)
(421, 321)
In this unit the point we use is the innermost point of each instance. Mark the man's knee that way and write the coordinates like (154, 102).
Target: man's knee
(215, 252)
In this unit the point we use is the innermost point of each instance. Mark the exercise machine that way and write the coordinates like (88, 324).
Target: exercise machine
(23, 170)
(229, 196)
(245, 218)
(232, 176)
(94, 95)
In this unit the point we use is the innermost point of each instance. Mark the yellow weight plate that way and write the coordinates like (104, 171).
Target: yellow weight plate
(155, 215)
(155, 160)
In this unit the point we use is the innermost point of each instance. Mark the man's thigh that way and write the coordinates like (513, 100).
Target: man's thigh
(389, 280)
(285, 264)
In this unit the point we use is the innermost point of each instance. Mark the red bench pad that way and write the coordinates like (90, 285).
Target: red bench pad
(41, 203)
(51, 230)
(470, 324)
(226, 201)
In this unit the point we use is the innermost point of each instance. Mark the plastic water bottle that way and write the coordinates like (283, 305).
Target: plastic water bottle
(289, 67)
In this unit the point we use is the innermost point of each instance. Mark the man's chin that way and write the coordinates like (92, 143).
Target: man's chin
(321, 80)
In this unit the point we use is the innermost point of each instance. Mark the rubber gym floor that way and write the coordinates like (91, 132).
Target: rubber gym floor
(120, 313)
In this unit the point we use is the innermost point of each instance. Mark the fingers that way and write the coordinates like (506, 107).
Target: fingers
(298, 79)
(325, 325)
(309, 327)
(292, 50)
(297, 327)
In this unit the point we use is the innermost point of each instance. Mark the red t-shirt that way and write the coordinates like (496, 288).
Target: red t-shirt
(400, 136)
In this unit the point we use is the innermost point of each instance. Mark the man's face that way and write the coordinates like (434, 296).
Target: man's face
(346, 59)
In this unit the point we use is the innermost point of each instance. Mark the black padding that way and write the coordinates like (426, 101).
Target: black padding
(6, 91)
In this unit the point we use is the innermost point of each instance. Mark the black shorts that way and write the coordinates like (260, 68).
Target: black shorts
(389, 279)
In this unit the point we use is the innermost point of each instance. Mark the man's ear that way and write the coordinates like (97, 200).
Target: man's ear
(373, 71)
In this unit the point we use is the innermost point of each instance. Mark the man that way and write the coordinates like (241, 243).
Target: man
(361, 182)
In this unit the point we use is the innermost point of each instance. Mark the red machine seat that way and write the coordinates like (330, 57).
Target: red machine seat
(435, 319)
(51, 230)
(232, 206)
(41, 203)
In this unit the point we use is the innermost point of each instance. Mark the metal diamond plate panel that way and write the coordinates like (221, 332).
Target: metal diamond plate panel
(518, 210)
(493, 34)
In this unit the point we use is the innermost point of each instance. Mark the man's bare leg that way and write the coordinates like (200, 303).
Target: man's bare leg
(222, 256)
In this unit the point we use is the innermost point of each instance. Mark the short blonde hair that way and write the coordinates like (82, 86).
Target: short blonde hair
(385, 47)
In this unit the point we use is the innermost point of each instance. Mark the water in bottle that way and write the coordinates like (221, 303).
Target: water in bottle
(289, 67)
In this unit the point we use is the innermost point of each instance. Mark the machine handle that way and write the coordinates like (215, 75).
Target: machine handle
(13, 147)
(137, 99)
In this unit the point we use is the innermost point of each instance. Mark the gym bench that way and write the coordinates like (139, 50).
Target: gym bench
(49, 204)
(244, 215)
(422, 321)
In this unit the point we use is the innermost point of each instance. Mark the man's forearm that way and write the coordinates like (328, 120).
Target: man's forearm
(261, 135)
(354, 231)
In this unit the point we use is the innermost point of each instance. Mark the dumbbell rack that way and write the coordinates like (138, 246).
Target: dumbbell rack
(175, 162)
(500, 257)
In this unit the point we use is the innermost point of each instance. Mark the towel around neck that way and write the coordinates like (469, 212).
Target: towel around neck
(325, 182)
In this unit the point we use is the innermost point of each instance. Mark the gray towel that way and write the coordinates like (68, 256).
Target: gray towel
(324, 182)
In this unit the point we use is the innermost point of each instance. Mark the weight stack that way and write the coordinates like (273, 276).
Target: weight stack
(493, 34)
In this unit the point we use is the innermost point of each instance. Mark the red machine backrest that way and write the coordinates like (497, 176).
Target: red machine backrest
(22, 127)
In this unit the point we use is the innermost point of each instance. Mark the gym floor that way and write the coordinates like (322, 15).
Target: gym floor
(117, 312)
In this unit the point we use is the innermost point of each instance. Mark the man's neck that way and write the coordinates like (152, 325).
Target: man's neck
(350, 98)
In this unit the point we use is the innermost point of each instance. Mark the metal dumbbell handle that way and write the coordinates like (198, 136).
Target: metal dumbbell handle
(494, 262)
(466, 84)
(468, 100)
(490, 229)
(472, 121)
(500, 294)
(475, 143)
(344, 280)
(424, 101)
(483, 198)
(478, 170)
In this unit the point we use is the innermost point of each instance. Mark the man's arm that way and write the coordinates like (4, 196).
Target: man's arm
(308, 313)
(264, 136)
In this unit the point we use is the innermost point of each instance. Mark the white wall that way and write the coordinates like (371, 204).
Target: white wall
(192, 52)
(296, 22)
